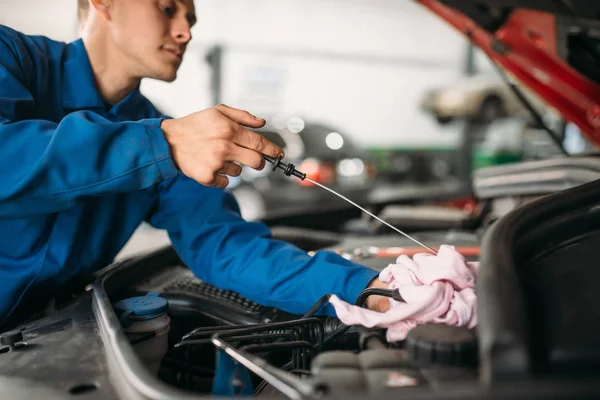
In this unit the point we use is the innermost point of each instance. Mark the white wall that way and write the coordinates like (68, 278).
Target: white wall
(55, 18)
(360, 65)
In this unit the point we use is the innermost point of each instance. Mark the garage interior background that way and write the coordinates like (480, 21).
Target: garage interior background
(360, 65)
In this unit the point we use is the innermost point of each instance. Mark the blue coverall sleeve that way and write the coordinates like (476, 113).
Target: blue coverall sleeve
(223, 249)
(45, 166)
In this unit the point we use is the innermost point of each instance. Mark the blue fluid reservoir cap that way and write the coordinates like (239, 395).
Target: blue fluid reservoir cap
(142, 305)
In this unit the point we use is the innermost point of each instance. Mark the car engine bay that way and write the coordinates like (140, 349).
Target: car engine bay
(295, 355)
(295, 345)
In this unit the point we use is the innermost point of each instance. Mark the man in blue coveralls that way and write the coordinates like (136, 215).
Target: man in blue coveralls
(85, 158)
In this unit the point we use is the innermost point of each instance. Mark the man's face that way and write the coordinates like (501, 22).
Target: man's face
(152, 35)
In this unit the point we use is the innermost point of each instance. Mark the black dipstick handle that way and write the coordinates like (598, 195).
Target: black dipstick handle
(288, 169)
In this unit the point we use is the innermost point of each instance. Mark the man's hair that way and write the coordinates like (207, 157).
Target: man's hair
(83, 8)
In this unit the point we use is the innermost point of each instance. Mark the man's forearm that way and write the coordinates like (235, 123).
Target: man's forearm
(228, 252)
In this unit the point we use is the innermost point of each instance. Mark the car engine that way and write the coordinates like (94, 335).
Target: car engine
(282, 346)
(220, 343)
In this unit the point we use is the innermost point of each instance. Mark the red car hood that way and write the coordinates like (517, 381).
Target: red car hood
(552, 47)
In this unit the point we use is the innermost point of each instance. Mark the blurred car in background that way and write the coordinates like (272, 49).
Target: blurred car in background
(325, 154)
(415, 165)
(483, 97)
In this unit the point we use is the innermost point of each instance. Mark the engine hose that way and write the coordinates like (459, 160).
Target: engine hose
(362, 297)
(320, 303)
(311, 333)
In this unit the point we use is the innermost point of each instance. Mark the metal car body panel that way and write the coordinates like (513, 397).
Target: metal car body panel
(527, 45)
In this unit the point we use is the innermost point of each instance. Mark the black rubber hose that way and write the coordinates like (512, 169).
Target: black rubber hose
(362, 297)
(320, 303)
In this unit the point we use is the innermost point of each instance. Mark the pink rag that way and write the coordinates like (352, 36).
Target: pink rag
(436, 288)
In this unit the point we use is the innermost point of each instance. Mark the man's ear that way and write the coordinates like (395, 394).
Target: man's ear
(102, 7)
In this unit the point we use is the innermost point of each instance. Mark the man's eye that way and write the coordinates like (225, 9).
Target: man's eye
(167, 10)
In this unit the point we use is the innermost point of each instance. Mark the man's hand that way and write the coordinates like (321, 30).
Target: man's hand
(210, 144)
(378, 303)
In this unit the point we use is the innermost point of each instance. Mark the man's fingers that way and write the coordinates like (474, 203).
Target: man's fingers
(247, 138)
(383, 304)
(220, 181)
(241, 117)
(231, 169)
(254, 141)
(248, 157)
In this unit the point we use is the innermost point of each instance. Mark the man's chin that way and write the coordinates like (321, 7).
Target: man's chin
(170, 77)
(165, 74)
(165, 77)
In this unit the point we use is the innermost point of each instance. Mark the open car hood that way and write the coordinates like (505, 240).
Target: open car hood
(550, 46)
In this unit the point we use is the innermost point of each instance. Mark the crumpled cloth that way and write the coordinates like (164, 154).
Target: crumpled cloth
(436, 288)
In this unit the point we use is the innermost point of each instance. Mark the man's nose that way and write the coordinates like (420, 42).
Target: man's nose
(182, 31)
